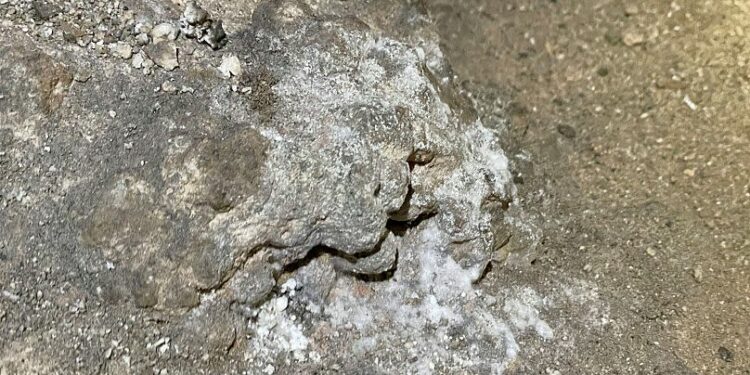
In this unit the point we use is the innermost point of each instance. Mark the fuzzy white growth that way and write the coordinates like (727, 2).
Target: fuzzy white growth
(277, 332)
(428, 297)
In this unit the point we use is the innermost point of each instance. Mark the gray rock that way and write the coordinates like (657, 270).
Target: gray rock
(121, 50)
(346, 141)
(214, 35)
(230, 66)
(252, 284)
(43, 10)
(195, 23)
(139, 60)
(142, 39)
(164, 32)
(194, 14)
(163, 54)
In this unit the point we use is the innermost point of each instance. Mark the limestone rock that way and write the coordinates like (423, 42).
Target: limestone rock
(196, 23)
(164, 54)
(349, 141)
(164, 31)
(230, 66)
(121, 50)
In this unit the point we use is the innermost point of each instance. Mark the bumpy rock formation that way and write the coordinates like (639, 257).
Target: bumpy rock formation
(345, 133)
(342, 147)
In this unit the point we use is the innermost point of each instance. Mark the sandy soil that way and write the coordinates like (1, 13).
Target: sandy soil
(630, 135)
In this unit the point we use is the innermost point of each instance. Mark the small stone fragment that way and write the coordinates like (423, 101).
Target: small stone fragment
(163, 32)
(566, 131)
(143, 27)
(215, 36)
(230, 66)
(11, 296)
(163, 54)
(142, 39)
(251, 285)
(121, 50)
(289, 286)
(44, 11)
(725, 354)
(72, 33)
(82, 76)
(138, 60)
(85, 40)
(698, 274)
(195, 23)
(281, 303)
(194, 14)
(690, 103)
(633, 38)
(168, 87)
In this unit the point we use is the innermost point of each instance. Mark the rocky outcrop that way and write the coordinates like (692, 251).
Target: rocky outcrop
(338, 143)
(344, 135)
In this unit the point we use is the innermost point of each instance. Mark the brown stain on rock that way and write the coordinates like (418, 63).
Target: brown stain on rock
(53, 79)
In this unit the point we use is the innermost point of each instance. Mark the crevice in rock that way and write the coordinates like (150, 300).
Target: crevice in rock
(485, 271)
(343, 262)
(322, 251)
(402, 214)
(314, 253)
(399, 227)
(404, 209)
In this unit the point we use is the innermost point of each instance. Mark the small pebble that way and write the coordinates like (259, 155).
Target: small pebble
(164, 54)
(633, 38)
(168, 87)
(698, 274)
(230, 66)
(725, 354)
(121, 50)
(567, 131)
(164, 32)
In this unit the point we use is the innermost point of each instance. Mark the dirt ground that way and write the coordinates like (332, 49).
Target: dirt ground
(630, 134)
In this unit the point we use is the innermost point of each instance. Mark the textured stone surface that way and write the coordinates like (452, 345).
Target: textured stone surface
(344, 131)
(337, 150)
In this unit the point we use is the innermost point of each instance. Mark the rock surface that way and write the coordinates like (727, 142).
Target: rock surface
(338, 149)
